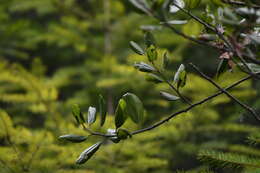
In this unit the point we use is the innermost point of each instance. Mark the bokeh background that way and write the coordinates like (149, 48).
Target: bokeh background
(54, 53)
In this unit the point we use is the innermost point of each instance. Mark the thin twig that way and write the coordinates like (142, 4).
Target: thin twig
(190, 107)
(239, 3)
(190, 38)
(184, 99)
(246, 107)
(206, 25)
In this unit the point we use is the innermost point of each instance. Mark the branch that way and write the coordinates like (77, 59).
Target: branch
(190, 38)
(249, 109)
(190, 107)
(206, 25)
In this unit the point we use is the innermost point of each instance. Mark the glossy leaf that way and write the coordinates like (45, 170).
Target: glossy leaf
(120, 115)
(77, 114)
(149, 39)
(91, 115)
(136, 48)
(102, 110)
(255, 68)
(143, 67)
(175, 22)
(88, 153)
(180, 76)
(134, 107)
(169, 96)
(123, 134)
(152, 53)
(73, 138)
(173, 8)
(154, 78)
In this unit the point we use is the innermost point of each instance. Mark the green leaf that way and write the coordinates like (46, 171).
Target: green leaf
(222, 67)
(140, 5)
(149, 39)
(102, 110)
(154, 78)
(88, 153)
(173, 8)
(123, 134)
(254, 67)
(120, 115)
(136, 48)
(169, 96)
(77, 114)
(190, 4)
(218, 2)
(91, 115)
(166, 60)
(180, 76)
(157, 5)
(73, 138)
(152, 53)
(175, 22)
(143, 67)
(134, 107)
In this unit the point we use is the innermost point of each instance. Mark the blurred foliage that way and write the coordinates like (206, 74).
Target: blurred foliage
(56, 53)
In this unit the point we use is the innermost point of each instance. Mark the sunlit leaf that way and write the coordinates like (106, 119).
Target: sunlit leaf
(152, 53)
(120, 115)
(180, 76)
(169, 96)
(175, 22)
(91, 115)
(136, 48)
